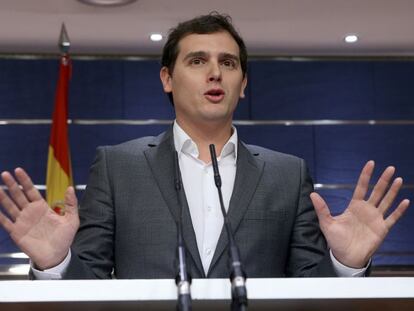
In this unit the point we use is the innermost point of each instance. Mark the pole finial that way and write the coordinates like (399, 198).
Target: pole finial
(64, 42)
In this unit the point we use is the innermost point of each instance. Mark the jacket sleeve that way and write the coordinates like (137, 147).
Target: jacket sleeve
(309, 255)
(92, 250)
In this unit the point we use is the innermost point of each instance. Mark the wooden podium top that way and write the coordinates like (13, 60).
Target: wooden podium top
(264, 294)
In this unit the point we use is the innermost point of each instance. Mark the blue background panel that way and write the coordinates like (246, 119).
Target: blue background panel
(394, 91)
(342, 151)
(27, 88)
(311, 90)
(96, 90)
(27, 147)
(143, 93)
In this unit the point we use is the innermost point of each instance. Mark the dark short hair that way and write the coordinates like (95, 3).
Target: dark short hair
(204, 24)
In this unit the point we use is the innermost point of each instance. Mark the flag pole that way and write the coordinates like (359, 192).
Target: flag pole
(59, 169)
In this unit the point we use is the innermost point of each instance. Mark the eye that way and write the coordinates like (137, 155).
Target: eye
(197, 61)
(229, 63)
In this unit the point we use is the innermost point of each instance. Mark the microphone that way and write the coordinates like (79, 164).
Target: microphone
(183, 279)
(237, 275)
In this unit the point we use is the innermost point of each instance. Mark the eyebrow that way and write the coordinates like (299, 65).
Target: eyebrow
(195, 54)
(205, 54)
(229, 56)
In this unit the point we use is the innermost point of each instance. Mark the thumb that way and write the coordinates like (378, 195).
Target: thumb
(321, 209)
(71, 202)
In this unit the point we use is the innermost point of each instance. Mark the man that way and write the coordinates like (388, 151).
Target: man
(129, 212)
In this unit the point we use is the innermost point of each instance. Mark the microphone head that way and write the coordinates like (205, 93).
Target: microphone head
(177, 175)
(212, 149)
(213, 156)
(217, 178)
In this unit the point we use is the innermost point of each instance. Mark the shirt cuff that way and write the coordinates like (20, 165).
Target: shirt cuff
(54, 273)
(345, 271)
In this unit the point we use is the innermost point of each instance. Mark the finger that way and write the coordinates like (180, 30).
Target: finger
(397, 213)
(14, 190)
(71, 202)
(6, 223)
(9, 205)
(363, 181)
(381, 186)
(322, 209)
(391, 195)
(28, 187)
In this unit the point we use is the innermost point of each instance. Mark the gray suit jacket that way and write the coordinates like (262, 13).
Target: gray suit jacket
(129, 210)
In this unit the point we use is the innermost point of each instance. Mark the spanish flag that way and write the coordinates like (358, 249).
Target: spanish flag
(59, 170)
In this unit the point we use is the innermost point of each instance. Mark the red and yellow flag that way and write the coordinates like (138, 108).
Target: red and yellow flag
(59, 170)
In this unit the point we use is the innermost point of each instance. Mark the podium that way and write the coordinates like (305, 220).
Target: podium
(306, 294)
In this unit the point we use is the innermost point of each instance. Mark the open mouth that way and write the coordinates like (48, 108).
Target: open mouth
(214, 95)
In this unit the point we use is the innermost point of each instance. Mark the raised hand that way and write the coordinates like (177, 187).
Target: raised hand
(357, 233)
(35, 228)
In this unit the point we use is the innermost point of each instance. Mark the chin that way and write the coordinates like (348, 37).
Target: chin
(217, 113)
(216, 118)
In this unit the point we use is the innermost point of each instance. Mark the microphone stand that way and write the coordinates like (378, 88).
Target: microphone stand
(183, 279)
(237, 275)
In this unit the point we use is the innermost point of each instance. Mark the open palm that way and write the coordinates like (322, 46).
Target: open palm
(356, 234)
(37, 230)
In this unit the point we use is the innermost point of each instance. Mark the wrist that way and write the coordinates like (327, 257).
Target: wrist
(349, 262)
(49, 263)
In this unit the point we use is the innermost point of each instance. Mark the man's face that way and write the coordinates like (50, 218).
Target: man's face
(207, 80)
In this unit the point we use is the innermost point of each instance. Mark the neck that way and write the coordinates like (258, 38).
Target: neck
(205, 134)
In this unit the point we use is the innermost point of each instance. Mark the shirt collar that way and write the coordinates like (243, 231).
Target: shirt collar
(184, 143)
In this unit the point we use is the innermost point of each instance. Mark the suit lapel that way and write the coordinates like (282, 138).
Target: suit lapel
(248, 174)
(160, 158)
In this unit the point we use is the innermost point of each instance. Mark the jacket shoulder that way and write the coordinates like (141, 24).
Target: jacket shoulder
(135, 146)
(272, 156)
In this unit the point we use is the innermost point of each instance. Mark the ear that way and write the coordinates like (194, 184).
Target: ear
(166, 79)
(243, 87)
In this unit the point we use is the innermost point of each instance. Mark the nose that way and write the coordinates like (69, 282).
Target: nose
(214, 73)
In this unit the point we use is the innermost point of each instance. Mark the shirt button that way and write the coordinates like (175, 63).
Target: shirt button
(209, 208)
(208, 251)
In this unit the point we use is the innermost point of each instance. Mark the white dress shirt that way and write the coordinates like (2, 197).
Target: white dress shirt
(201, 191)
(203, 201)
